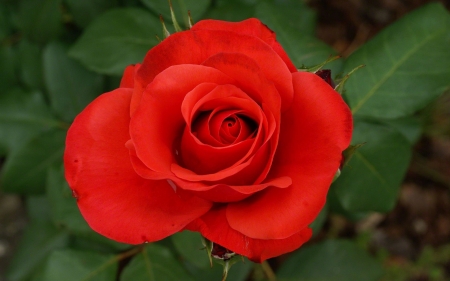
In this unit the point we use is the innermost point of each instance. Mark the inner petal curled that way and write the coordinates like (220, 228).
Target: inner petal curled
(226, 127)
(220, 131)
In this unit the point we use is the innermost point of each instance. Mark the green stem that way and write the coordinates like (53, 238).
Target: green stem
(268, 271)
(131, 252)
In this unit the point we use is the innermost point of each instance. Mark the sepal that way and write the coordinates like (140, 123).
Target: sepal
(340, 86)
(191, 22)
(348, 153)
(174, 18)
(165, 31)
(318, 67)
(221, 255)
(336, 176)
(208, 247)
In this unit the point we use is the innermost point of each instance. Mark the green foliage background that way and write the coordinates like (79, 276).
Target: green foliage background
(58, 55)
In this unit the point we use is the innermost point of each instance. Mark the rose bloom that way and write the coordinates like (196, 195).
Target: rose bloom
(215, 132)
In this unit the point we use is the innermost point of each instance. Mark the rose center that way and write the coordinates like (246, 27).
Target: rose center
(237, 127)
(226, 127)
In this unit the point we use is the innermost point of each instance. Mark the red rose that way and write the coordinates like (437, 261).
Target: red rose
(216, 132)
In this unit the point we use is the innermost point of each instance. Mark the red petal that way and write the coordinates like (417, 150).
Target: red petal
(253, 27)
(205, 159)
(113, 199)
(198, 149)
(335, 121)
(233, 193)
(252, 79)
(248, 170)
(216, 98)
(128, 76)
(157, 125)
(194, 47)
(210, 191)
(314, 132)
(214, 226)
(242, 173)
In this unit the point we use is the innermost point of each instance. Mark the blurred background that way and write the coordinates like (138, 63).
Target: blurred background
(413, 240)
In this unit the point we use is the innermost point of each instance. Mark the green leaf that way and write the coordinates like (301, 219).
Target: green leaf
(85, 11)
(71, 86)
(231, 10)
(112, 83)
(65, 212)
(130, 3)
(116, 39)
(38, 208)
(96, 243)
(407, 66)
(287, 16)
(189, 245)
(307, 51)
(195, 259)
(180, 7)
(8, 76)
(154, 263)
(71, 265)
(294, 28)
(238, 272)
(40, 20)
(332, 260)
(38, 275)
(371, 180)
(31, 69)
(318, 223)
(25, 169)
(5, 26)
(410, 127)
(38, 241)
(22, 116)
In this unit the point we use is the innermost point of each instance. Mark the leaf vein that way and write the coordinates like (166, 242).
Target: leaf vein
(370, 167)
(394, 67)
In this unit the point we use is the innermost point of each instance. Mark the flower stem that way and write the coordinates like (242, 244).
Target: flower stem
(131, 252)
(268, 271)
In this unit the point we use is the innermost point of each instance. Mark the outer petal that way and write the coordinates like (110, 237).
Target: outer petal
(253, 27)
(314, 132)
(194, 47)
(214, 226)
(128, 76)
(113, 199)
